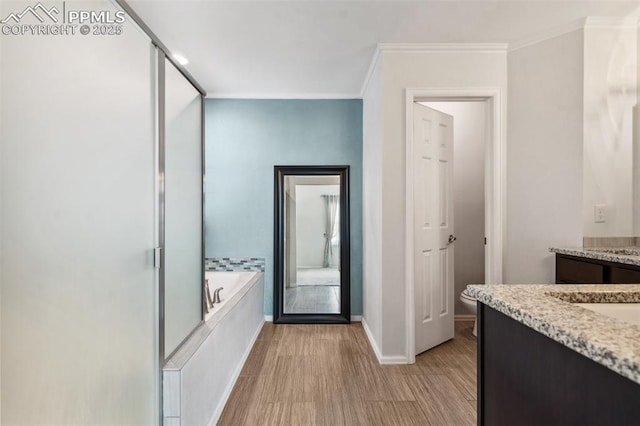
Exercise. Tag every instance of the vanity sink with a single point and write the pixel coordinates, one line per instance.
(629, 312)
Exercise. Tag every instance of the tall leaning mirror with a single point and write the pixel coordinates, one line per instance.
(311, 249)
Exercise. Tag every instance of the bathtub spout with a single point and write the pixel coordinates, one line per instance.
(216, 295)
(207, 294)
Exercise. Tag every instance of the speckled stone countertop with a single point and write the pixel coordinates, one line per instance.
(606, 254)
(548, 309)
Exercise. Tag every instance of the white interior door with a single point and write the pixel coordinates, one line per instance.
(433, 227)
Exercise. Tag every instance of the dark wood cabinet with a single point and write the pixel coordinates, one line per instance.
(625, 274)
(526, 378)
(581, 270)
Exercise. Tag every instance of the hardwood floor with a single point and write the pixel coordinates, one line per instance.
(329, 375)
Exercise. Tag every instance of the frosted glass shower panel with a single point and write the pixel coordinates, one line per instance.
(183, 209)
(76, 219)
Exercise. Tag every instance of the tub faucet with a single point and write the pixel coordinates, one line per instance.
(216, 295)
(207, 294)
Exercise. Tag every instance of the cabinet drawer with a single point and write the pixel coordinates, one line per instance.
(622, 275)
(578, 272)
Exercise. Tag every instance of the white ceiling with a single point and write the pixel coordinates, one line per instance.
(323, 49)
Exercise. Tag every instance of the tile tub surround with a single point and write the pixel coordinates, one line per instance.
(548, 310)
(593, 253)
(233, 264)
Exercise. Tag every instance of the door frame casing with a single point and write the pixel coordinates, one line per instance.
(495, 186)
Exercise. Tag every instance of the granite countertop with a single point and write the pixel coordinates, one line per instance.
(548, 309)
(628, 255)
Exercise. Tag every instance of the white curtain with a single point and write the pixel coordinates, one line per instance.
(331, 208)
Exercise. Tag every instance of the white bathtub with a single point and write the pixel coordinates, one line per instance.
(198, 378)
(233, 286)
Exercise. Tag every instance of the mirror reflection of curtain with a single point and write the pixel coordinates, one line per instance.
(331, 209)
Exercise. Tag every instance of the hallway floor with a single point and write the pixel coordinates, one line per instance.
(329, 375)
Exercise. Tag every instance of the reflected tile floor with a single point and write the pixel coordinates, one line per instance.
(317, 276)
(312, 299)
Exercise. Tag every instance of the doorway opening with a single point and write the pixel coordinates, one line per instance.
(480, 203)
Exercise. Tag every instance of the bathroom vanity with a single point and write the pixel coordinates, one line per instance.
(597, 265)
(544, 359)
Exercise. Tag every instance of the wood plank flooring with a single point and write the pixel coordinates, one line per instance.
(328, 375)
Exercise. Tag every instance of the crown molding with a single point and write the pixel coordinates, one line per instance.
(443, 47)
(427, 47)
(372, 67)
(290, 96)
(548, 35)
(626, 22)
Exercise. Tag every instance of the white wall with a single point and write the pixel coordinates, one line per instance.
(402, 69)
(310, 223)
(79, 315)
(469, 130)
(636, 152)
(1, 208)
(372, 260)
(610, 93)
(544, 156)
(570, 144)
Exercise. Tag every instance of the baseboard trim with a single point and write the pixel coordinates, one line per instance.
(372, 341)
(464, 317)
(394, 360)
(227, 392)
(354, 318)
(385, 360)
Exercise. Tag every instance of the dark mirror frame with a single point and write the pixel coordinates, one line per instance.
(279, 316)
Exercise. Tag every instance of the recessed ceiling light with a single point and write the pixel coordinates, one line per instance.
(180, 59)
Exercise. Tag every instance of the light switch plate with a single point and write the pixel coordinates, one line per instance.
(599, 213)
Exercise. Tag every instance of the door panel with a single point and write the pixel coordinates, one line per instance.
(426, 168)
(443, 193)
(433, 275)
(426, 276)
(444, 279)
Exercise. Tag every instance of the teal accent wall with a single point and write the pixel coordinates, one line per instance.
(245, 139)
